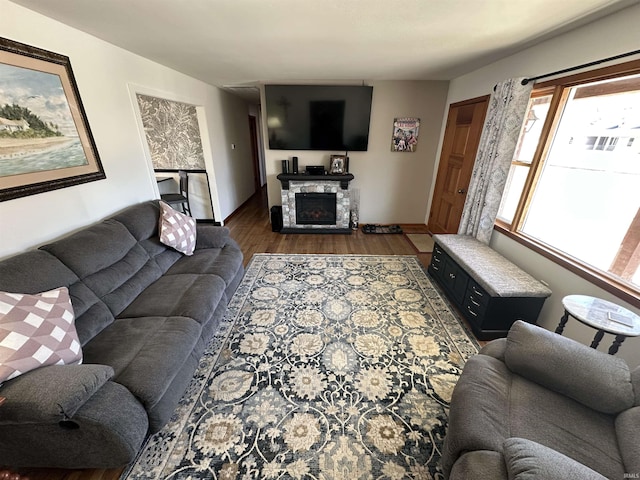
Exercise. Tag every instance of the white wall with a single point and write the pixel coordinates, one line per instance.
(394, 187)
(610, 36)
(104, 73)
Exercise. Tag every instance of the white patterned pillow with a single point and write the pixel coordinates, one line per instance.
(177, 230)
(36, 330)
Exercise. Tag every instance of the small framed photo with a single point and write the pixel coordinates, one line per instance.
(338, 164)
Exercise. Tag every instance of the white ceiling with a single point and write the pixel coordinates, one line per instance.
(246, 42)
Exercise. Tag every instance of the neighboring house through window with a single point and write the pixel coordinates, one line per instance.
(573, 191)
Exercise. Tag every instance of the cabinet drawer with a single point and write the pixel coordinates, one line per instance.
(476, 294)
(438, 257)
(473, 309)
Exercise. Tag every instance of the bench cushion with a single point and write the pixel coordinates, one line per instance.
(497, 275)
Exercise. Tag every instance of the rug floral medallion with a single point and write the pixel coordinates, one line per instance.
(326, 367)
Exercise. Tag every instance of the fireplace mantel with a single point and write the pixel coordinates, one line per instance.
(343, 178)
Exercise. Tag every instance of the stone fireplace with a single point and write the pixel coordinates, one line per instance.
(315, 203)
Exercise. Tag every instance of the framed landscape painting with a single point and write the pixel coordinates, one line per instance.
(45, 140)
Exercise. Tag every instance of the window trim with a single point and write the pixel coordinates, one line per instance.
(559, 88)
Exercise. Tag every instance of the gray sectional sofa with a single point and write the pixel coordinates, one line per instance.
(144, 315)
(539, 405)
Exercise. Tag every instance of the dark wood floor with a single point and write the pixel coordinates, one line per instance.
(250, 226)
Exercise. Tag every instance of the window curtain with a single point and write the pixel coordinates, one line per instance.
(507, 108)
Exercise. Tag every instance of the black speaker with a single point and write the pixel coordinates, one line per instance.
(294, 163)
(285, 166)
(276, 218)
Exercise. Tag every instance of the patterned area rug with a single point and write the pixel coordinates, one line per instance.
(327, 367)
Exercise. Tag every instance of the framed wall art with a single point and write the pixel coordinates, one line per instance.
(45, 140)
(405, 134)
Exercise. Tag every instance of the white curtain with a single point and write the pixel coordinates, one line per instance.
(505, 116)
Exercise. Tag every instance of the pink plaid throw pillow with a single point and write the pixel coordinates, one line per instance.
(177, 230)
(36, 330)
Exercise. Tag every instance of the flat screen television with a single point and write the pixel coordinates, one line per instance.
(318, 117)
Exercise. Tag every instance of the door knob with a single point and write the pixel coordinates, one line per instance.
(462, 190)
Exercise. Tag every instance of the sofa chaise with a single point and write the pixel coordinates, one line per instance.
(536, 405)
(144, 314)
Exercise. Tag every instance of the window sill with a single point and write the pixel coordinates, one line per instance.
(621, 290)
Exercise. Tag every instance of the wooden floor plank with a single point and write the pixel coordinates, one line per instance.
(250, 226)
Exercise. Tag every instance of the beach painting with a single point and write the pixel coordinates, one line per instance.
(45, 141)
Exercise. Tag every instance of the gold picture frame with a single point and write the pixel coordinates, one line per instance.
(45, 139)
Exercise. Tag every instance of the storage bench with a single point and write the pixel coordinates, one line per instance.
(489, 290)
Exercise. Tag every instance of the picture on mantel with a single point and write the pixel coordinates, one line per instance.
(405, 134)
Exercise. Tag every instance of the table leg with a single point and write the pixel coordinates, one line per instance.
(613, 349)
(597, 338)
(563, 322)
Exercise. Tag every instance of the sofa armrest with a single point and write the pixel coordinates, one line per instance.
(51, 394)
(211, 236)
(528, 460)
(595, 379)
(495, 348)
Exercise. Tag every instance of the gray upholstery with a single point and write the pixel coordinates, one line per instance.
(144, 315)
(527, 460)
(68, 388)
(610, 391)
(552, 394)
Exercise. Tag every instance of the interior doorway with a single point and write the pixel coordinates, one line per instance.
(255, 153)
(459, 147)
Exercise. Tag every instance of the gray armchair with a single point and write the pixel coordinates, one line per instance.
(539, 405)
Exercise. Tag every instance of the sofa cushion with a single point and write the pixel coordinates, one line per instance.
(146, 353)
(38, 271)
(212, 236)
(223, 262)
(479, 465)
(596, 379)
(108, 259)
(186, 295)
(177, 230)
(140, 220)
(527, 460)
(36, 330)
(52, 393)
(628, 433)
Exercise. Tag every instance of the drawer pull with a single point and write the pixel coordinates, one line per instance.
(434, 267)
(473, 301)
(436, 259)
(476, 291)
(471, 311)
(452, 276)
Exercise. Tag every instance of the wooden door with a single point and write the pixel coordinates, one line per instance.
(459, 147)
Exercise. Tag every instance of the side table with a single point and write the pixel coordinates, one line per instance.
(604, 316)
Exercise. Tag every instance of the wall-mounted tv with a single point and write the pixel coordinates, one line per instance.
(318, 117)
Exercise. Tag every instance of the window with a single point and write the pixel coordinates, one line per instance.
(573, 191)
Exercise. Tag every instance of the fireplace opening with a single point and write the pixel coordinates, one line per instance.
(316, 208)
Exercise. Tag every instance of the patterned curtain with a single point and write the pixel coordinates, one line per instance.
(498, 141)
